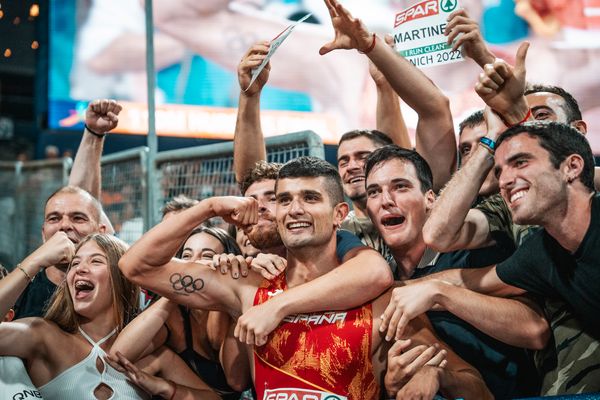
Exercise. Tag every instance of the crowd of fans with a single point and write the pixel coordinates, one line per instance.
(478, 282)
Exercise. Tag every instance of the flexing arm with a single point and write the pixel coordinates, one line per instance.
(344, 287)
(452, 224)
(149, 261)
(435, 131)
(248, 140)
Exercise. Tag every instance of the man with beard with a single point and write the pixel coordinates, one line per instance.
(304, 356)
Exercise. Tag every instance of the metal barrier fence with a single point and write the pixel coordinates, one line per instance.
(205, 171)
(23, 189)
(198, 172)
(124, 192)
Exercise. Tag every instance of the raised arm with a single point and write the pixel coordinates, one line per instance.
(57, 250)
(101, 117)
(464, 34)
(149, 261)
(26, 337)
(389, 119)
(248, 140)
(452, 224)
(546, 27)
(344, 287)
(435, 131)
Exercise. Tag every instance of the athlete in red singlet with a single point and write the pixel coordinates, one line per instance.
(326, 356)
(319, 353)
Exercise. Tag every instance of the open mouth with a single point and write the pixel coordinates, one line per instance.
(393, 220)
(297, 225)
(83, 289)
(356, 179)
(518, 195)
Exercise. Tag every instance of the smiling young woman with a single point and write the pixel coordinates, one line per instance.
(86, 313)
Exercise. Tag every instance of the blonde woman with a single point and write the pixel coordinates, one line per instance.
(65, 351)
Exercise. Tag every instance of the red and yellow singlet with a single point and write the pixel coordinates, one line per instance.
(319, 356)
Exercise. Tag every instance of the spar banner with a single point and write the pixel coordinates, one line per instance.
(419, 33)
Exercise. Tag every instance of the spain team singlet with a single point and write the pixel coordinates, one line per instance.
(318, 356)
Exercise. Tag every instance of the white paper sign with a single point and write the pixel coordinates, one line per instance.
(275, 43)
(419, 33)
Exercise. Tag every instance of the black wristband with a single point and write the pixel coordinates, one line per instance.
(100, 135)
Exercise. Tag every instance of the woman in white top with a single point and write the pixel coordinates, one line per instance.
(64, 351)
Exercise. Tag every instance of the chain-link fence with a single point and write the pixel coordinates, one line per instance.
(198, 172)
(205, 171)
(124, 192)
(24, 188)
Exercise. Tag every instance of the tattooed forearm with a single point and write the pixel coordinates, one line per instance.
(185, 284)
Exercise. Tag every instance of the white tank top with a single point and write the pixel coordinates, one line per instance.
(14, 381)
(80, 380)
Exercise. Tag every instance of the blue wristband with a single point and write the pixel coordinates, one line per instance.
(486, 141)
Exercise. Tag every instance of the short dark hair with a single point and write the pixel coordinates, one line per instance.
(572, 107)
(261, 171)
(471, 121)
(178, 203)
(230, 246)
(377, 137)
(560, 140)
(391, 152)
(312, 167)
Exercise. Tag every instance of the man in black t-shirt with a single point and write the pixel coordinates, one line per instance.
(546, 173)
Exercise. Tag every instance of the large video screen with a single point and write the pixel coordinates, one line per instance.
(97, 50)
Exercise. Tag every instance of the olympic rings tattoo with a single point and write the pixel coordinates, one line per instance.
(187, 283)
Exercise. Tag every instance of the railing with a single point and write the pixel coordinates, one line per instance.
(198, 172)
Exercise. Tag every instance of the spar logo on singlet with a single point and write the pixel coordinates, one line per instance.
(300, 394)
(329, 317)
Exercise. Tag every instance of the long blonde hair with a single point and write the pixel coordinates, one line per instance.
(125, 294)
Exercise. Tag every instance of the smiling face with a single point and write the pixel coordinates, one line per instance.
(547, 107)
(352, 155)
(88, 280)
(305, 213)
(396, 204)
(264, 235)
(467, 143)
(529, 183)
(201, 246)
(72, 213)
